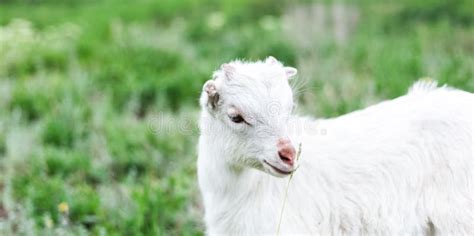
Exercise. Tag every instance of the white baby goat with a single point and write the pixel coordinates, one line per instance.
(402, 167)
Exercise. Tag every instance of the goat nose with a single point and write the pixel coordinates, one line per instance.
(286, 151)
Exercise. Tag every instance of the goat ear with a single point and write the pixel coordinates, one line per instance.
(271, 60)
(228, 69)
(212, 95)
(290, 72)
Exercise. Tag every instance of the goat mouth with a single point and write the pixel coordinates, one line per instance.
(280, 171)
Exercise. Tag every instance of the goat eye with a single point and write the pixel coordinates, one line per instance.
(236, 118)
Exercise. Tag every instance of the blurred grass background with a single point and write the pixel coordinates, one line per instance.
(98, 99)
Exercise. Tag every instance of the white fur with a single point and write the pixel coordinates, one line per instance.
(401, 167)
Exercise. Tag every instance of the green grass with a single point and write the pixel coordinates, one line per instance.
(99, 99)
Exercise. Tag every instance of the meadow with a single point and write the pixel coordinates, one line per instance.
(99, 99)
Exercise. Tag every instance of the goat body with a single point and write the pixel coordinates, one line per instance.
(401, 167)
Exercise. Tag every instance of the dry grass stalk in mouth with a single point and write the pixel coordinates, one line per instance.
(286, 190)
